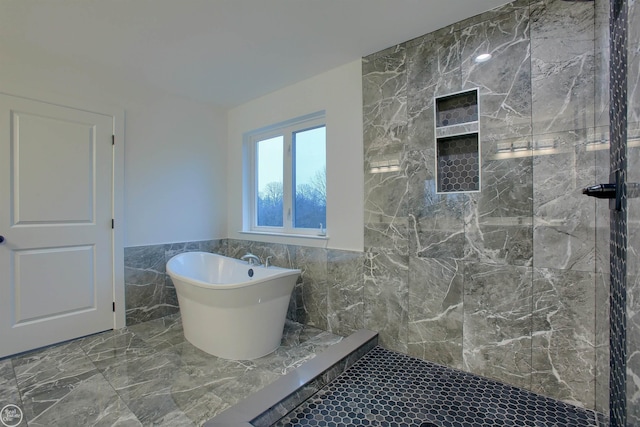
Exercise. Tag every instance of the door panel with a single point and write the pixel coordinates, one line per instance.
(69, 150)
(72, 267)
(56, 263)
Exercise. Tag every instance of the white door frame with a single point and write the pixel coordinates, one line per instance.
(117, 197)
(119, 318)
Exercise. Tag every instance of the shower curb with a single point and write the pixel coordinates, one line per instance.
(268, 405)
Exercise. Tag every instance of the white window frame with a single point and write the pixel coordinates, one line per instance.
(285, 129)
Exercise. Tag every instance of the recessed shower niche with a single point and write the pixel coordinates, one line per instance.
(457, 142)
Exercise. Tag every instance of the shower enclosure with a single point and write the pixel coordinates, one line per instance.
(511, 281)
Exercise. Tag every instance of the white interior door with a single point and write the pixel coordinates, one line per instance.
(56, 260)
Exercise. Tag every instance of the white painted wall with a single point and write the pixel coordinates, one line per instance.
(339, 93)
(175, 148)
(175, 172)
(183, 159)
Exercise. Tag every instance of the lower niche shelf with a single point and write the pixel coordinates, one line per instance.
(458, 164)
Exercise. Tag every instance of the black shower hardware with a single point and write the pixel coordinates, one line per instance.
(601, 191)
(611, 191)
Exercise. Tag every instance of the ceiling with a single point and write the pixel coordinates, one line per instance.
(222, 52)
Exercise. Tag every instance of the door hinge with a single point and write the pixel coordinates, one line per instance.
(114, 306)
(113, 140)
(113, 223)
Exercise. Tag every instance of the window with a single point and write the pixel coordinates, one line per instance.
(286, 174)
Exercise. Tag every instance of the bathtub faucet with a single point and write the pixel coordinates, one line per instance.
(251, 259)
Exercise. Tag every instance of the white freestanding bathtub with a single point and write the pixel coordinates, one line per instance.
(229, 308)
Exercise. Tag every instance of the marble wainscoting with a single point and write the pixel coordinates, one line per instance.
(329, 292)
(328, 295)
(149, 291)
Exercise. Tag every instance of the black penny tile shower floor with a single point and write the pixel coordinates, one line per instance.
(385, 388)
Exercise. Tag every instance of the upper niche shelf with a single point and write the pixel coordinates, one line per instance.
(457, 109)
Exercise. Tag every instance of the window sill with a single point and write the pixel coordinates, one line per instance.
(309, 240)
(296, 236)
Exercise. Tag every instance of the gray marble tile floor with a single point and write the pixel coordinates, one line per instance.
(146, 374)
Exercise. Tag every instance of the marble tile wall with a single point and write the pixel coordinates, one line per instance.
(504, 282)
(328, 295)
(149, 292)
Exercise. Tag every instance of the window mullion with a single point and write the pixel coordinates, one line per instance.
(254, 182)
(287, 185)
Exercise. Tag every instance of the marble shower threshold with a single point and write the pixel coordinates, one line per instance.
(270, 404)
(358, 383)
